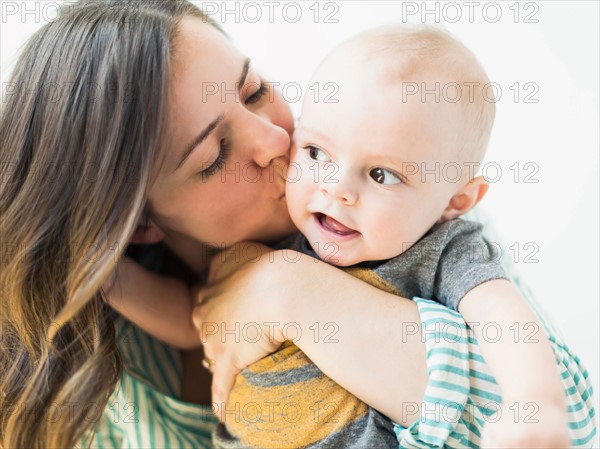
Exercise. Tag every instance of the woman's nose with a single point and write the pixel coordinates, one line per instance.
(268, 141)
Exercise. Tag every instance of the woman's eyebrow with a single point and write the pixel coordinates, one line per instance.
(205, 133)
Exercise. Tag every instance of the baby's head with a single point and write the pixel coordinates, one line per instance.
(390, 146)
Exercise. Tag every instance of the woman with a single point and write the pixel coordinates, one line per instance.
(124, 126)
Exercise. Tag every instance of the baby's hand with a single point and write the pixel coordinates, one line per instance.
(527, 425)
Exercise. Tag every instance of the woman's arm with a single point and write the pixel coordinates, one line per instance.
(366, 340)
(160, 305)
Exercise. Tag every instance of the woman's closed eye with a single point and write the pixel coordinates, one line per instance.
(257, 96)
(384, 176)
(219, 162)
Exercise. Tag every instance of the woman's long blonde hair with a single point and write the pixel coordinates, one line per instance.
(80, 131)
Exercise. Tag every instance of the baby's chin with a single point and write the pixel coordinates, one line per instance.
(347, 257)
(338, 258)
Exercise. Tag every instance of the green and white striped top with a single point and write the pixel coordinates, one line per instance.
(143, 411)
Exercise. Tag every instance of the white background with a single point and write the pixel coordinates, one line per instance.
(551, 44)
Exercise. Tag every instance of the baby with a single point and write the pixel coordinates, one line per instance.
(377, 182)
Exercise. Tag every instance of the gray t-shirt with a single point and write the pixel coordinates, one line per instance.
(449, 260)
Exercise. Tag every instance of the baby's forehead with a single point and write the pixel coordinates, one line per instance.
(406, 53)
(419, 66)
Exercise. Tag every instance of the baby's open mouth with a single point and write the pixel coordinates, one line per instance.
(332, 225)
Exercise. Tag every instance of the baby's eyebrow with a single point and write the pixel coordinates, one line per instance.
(313, 132)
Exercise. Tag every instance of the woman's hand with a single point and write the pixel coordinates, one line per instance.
(236, 314)
(358, 335)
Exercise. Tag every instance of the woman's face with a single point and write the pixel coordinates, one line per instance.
(228, 140)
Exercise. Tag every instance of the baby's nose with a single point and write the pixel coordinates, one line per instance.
(342, 193)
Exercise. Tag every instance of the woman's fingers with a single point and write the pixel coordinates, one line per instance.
(224, 373)
(231, 259)
(199, 317)
(233, 297)
(215, 270)
(198, 294)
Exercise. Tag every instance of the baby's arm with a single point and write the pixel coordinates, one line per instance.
(160, 305)
(523, 364)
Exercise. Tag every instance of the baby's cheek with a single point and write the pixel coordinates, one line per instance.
(295, 200)
(301, 194)
(390, 232)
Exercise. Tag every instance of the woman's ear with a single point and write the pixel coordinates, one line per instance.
(466, 198)
(146, 233)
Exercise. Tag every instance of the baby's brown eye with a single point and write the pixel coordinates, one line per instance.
(383, 176)
(317, 154)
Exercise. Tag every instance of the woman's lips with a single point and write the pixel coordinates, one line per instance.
(334, 228)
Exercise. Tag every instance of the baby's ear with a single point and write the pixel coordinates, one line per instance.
(147, 234)
(466, 198)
